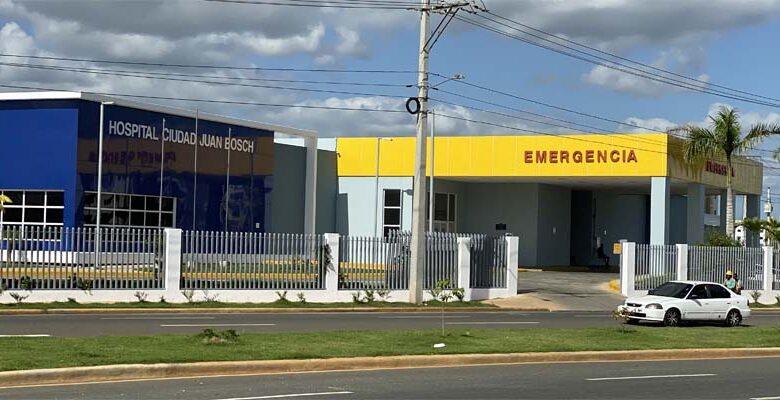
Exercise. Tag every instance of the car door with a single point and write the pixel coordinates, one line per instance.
(719, 302)
(695, 305)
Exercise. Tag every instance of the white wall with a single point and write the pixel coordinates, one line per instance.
(355, 208)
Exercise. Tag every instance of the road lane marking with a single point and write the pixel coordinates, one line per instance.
(151, 318)
(619, 378)
(494, 323)
(765, 398)
(425, 317)
(285, 396)
(32, 335)
(206, 325)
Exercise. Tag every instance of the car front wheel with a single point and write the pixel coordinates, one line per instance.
(733, 318)
(672, 318)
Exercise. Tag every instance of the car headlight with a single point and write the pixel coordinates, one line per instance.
(654, 306)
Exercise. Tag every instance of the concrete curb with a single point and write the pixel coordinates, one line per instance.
(227, 310)
(110, 373)
(765, 309)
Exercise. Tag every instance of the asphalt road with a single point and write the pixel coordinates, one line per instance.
(701, 379)
(152, 324)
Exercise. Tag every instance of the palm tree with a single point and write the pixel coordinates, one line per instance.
(723, 139)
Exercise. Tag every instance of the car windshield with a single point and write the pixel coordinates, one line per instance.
(672, 289)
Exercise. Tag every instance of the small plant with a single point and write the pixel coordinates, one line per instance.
(383, 294)
(369, 295)
(620, 315)
(18, 297)
(356, 298)
(755, 295)
(209, 299)
(3, 288)
(459, 293)
(210, 336)
(141, 296)
(776, 298)
(71, 300)
(282, 297)
(443, 295)
(85, 285)
(301, 298)
(188, 294)
(162, 300)
(26, 283)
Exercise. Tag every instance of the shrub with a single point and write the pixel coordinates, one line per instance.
(383, 294)
(18, 297)
(301, 298)
(356, 298)
(778, 299)
(210, 336)
(189, 295)
(209, 299)
(720, 239)
(141, 296)
(162, 299)
(72, 300)
(755, 295)
(459, 293)
(282, 297)
(369, 295)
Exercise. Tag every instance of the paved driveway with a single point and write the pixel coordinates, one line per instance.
(576, 291)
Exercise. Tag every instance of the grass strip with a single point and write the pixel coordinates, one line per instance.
(33, 353)
(217, 304)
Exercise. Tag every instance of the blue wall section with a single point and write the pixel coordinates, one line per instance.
(53, 144)
(38, 148)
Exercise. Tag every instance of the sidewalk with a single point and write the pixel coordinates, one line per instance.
(562, 291)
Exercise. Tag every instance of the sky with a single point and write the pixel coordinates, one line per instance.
(724, 42)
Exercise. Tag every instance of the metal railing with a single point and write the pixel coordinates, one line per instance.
(655, 264)
(709, 263)
(236, 261)
(488, 261)
(441, 260)
(60, 258)
(776, 270)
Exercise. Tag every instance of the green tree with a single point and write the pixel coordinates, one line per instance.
(771, 228)
(724, 140)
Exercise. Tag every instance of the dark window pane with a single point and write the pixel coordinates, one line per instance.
(451, 210)
(90, 199)
(34, 198)
(166, 220)
(138, 203)
(122, 201)
(392, 198)
(389, 229)
(33, 215)
(90, 217)
(54, 215)
(55, 198)
(108, 200)
(15, 196)
(106, 217)
(137, 219)
(440, 207)
(718, 292)
(152, 219)
(12, 214)
(392, 216)
(699, 292)
(121, 217)
(152, 204)
(167, 204)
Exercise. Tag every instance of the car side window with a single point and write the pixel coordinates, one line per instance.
(699, 292)
(718, 292)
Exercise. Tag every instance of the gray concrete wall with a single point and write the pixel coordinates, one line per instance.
(355, 208)
(289, 186)
(554, 226)
(678, 220)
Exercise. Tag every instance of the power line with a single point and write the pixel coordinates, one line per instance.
(644, 65)
(213, 66)
(326, 4)
(614, 65)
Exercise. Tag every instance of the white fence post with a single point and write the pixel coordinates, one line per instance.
(172, 258)
(464, 266)
(512, 253)
(682, 262)
(627, 268)
(332, 270)
(769, 263)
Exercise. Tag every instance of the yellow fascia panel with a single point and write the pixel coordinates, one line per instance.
(508, 156)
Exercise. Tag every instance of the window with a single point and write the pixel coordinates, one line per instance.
(30, 208)
(444, 209)
(699, 292)
(117, 209)
(718, 292)
(391, 218)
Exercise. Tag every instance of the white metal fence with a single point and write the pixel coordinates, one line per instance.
(239, 261)
(50, 258)
(709, 263)
(654, 265)
(488, 261)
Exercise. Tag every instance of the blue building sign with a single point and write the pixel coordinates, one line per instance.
(160, 168)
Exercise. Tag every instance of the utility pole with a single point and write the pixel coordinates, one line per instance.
(427, 40)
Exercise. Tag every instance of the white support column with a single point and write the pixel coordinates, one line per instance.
(310, 201)
(627, 268)
(682, 262)
(332, 269)
(659, 210)
(769, 259)
(512, 254)
(464, 266)
(172, 259)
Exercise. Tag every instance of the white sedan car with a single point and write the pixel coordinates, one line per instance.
(677, 301)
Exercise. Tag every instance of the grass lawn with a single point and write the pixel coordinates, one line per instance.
(217, 304)
(30, 353)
